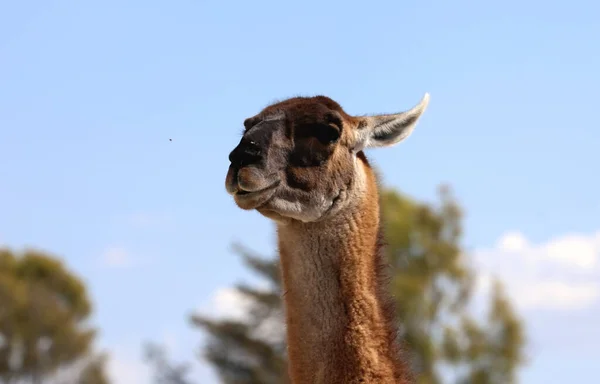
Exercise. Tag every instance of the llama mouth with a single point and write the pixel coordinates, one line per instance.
(254, 199)
(242, 192)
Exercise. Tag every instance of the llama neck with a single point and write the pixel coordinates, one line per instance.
(339, 325)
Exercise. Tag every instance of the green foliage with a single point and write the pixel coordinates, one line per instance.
(43, 314)
(432, 284)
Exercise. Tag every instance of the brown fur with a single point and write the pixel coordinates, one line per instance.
(341, 324)
(298, 165)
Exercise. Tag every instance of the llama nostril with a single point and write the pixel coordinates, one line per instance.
(252, 148)
(247, 153)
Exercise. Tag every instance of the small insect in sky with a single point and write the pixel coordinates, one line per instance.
(170, 139)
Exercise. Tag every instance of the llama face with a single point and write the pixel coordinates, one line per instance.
(300, 159)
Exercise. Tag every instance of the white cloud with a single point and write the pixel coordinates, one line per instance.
(116, 257)
(560, 274)
(512, 242)
(559, 294)
(228, 303)
(576, 250)
(125, 366)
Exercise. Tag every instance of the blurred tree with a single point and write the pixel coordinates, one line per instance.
(93, 372)
(165, 372)
(43, 330)
(252, 350)
(433, 286)
(87, 370)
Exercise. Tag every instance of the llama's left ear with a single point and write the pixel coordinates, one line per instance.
(387, 130)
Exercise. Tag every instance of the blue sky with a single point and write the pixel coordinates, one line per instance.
(91, 92)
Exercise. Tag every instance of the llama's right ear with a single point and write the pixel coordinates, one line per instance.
(387, 130)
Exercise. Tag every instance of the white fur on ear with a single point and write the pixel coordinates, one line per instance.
(388, 130)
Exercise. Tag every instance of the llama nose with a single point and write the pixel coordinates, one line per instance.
(248, 152)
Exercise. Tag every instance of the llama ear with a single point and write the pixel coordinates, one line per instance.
(387, 130)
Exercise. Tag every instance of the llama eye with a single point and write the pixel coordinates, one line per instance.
(327, 134)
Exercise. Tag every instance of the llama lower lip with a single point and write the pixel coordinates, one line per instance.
(254, 193)
(254, 199)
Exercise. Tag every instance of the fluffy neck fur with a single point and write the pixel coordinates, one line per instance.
(340, 323)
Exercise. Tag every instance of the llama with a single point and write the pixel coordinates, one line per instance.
(301, 163)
